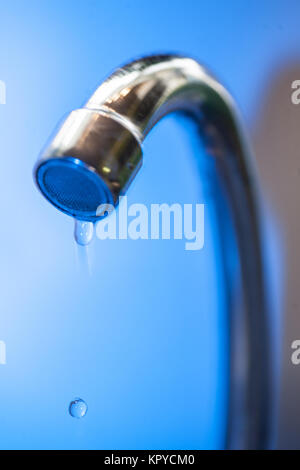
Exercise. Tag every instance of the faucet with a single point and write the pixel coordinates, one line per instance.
(95, 155)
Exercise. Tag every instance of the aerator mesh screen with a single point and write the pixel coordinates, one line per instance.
(72, 188)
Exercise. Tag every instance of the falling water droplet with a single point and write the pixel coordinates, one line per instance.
(83, 232)
(78, 408)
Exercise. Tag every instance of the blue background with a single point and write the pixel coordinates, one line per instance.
(141, 336)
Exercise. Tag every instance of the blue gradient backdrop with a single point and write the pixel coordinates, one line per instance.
(141, 338)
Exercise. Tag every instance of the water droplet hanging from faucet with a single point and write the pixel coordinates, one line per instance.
(83, 232)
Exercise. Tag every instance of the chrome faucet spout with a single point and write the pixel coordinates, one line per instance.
(95, 155)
